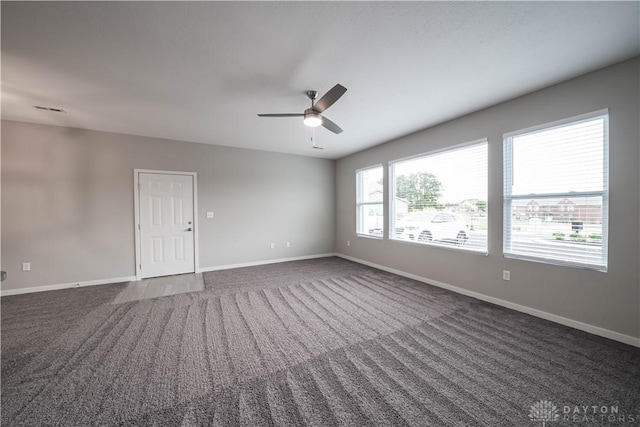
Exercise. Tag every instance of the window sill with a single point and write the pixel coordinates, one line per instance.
(369, 236)
(557, 263)
(483, 252)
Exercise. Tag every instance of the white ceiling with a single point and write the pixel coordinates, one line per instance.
(201, 71)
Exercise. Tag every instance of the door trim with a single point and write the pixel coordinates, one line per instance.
(136, 218)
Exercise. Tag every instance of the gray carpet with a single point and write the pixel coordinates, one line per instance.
(321, 342)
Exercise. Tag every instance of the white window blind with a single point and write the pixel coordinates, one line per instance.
(556, 192)
(369, 202)
(441, 198)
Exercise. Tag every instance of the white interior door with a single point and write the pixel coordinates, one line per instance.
(166, 215)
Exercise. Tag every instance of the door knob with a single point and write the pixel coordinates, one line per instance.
(189, 229)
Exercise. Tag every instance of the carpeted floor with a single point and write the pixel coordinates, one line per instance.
(321, 342)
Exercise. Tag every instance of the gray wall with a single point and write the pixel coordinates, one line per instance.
(67, 202)
(609, 300)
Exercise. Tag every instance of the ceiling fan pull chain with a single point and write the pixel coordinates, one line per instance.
(313, 140)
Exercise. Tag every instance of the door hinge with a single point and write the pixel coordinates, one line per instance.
(140, 267)
(138, 226)
(139, 187)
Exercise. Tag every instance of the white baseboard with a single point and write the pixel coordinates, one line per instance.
(270, 261)
(32, 289)
(595, 330)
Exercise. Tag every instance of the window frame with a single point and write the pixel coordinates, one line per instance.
(508, 197)
(392, 189)
(360, 204)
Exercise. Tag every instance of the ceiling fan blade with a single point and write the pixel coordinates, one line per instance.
(282, 115)
(329, 98)
(330, 125)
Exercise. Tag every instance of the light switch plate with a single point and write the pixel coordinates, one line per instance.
(209, 214)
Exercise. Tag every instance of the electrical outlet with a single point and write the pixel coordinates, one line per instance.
(506, 275)
(209, 214)
(26, 266)
(348, 242)
(288, 244)
(273, 246)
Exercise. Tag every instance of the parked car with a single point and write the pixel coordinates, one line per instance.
(427, 226)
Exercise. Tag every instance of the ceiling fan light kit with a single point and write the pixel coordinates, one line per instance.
(312, 116)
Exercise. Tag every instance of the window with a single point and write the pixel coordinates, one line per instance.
(563, 168)
(441, 198)
(369, 202)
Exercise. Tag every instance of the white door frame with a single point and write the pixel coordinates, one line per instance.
(136, 207)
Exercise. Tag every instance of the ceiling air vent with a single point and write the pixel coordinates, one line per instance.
(55, 110)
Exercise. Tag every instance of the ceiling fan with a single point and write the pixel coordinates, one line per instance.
(312, 116)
